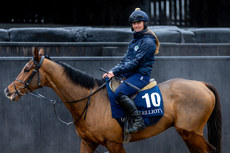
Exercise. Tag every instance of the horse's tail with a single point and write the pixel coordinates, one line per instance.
(214, 124)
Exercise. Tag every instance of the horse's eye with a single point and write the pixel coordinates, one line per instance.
(26, 70)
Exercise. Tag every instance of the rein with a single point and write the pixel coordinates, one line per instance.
(53, 102)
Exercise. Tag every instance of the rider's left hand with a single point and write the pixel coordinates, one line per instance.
(109, 75)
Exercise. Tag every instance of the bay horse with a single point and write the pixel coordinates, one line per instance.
(188, 106)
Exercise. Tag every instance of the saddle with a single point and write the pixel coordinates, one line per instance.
(115, 82)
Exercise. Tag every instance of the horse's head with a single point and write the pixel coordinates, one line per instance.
(29, 79)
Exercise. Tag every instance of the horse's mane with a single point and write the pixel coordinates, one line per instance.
(80, 78)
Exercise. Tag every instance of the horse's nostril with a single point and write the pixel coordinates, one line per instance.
(6, 91)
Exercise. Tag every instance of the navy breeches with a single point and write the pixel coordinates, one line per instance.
(137, 80)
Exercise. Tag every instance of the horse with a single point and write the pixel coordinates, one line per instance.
(188, 106)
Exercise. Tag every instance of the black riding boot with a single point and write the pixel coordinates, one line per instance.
(130, 108)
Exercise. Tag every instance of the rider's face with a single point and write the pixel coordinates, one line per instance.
(138, 26)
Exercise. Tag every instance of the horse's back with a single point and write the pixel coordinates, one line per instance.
(190, 102)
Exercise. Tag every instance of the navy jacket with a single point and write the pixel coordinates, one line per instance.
(139, 57)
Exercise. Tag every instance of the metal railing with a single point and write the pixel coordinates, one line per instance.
(169, 12)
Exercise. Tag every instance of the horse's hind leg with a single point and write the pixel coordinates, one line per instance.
(114, 147)
(195, 143)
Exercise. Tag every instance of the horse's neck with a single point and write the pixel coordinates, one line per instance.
(68, 91)
(63, 87)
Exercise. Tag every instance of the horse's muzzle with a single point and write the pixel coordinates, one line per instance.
(12, 96)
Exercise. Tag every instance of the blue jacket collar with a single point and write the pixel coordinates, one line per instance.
(140, 34)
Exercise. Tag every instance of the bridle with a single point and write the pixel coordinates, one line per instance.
(53, 102)
(36, 70)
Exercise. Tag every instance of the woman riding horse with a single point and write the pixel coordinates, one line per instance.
(136, 67)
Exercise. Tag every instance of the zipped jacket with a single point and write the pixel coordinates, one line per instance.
(139, 57)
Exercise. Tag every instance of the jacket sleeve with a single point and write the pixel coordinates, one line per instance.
(128, 65)
(120, 65)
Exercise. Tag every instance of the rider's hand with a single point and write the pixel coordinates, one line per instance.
(108, 75)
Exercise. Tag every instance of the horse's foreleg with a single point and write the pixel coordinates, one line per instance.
(114, 147)
(87, 147)
(195, 143)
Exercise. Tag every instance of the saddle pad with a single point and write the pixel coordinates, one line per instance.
(149, 102)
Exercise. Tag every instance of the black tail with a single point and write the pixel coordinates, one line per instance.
(215, 122)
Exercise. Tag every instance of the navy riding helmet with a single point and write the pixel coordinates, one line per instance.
(139, 15)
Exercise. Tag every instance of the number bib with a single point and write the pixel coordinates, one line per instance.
(149, 102)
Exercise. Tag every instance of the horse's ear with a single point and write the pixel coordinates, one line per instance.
(36, 56)
(41, 52)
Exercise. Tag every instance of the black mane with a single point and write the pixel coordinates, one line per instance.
(80, 78)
